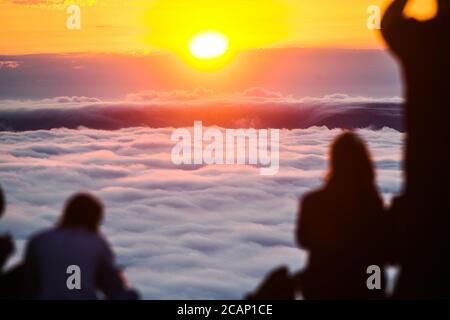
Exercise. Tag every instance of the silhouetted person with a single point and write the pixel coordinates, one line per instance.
(343, 227)
(6, 243)
(423, 49)
(10, 281)
(76, 241)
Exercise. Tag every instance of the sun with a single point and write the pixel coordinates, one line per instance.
(208, 45)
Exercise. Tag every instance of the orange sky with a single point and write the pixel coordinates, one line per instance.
(139, 26)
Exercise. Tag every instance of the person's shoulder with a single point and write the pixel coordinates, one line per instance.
(95, 239)
(101, 242)
(313, 197)
(42, 236)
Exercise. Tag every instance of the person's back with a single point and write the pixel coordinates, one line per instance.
(342, 227)
(72, 260)
(51, 253)
(423, 49)
(342, 238)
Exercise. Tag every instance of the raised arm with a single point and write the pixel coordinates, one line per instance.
(393, 14)
(395, 27)
(109, 280)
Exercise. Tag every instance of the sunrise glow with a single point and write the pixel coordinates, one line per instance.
(169, 25)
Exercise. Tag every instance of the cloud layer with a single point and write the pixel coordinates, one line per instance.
(181, 232)
(255, 107)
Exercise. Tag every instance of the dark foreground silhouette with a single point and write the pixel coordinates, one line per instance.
(423, 50)
(344, 228)
(6, 243)
(76, 241)
(418, 229)
(278, 285)
(8, 280)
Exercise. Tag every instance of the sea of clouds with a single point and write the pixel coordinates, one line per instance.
(255, 107)
(181, 232)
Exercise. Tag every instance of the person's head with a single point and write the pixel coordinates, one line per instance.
(350, 162)
(82, 211)
(443, 6)
(2, 202)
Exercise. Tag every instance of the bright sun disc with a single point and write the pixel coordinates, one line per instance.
(207, 45)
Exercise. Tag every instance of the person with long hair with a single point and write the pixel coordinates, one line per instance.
(342, 226)
(74, 245)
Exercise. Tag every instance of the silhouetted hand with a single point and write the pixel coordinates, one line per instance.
(278, 285)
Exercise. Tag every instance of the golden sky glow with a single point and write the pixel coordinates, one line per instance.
(39, 26)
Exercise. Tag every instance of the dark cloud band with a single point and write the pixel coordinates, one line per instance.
(256, 107)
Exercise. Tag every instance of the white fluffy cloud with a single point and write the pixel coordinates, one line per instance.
(203, 232)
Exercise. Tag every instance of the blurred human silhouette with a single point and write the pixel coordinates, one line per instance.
(6, 243)
(397, 215)
(75, 241)
(343, 227)
(8, 280)
(423, 49)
